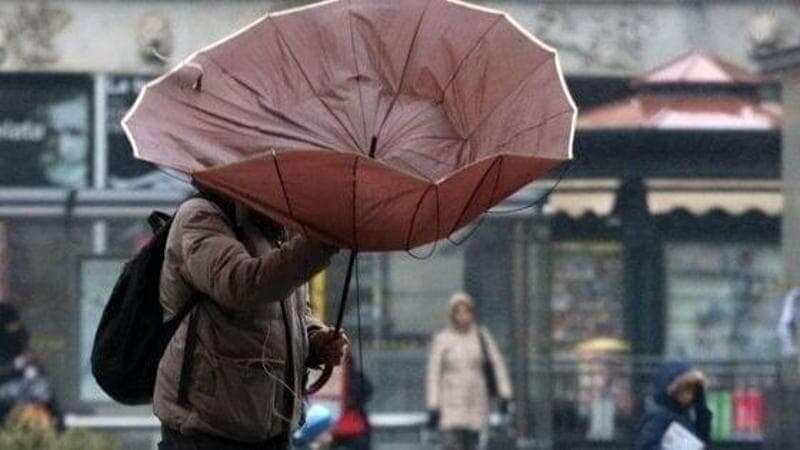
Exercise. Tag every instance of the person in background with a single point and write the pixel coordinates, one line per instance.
(25, 392)
(353, 431)
(465, 371)
(787, 325)
(679, 398)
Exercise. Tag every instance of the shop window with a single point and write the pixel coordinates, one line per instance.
(724, 301)
(45, 131)
(124, 171)
(587, 295)
(41, 260)
(96, 278)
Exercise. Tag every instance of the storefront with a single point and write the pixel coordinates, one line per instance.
(669, 225)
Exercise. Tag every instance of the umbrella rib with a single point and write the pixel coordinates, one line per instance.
(496, 162)
(310, 85)
(454, 74)
(532, 127)
(405, 68)
(505, 99)
(426, 156)
(263, 104)
(358, 70)
(283, 189)
(416, 212)
(464, 59)
(390, 142)
(417, 173)
(256, 204)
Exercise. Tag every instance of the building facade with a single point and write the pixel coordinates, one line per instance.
(73, 200)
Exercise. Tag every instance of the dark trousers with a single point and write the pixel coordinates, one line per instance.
(173, 440)
(458, 439)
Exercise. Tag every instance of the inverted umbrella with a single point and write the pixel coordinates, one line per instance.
(368, 124)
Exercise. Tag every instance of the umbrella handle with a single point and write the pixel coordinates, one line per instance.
(317, 385)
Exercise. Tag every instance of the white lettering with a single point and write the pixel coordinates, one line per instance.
(26, 131)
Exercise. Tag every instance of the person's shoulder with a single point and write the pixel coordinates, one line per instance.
(443, 335)
(199, 211)
(656, 414)
(197, 204)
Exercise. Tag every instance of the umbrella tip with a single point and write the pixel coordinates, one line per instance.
(373, 146)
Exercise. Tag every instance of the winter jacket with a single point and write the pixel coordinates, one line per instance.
(663, 410)
(24, 383)
(253, 325)
(456, 385)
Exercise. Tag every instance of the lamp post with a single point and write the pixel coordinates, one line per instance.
(530, 322)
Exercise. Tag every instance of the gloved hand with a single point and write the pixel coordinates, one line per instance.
(433, 419)
(700, 397)
(327, 348)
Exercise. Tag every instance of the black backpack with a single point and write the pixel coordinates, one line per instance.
(132, 335)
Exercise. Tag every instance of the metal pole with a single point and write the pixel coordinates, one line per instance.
(790, 172)
(541, 324)
(100, 160)
(520, 323)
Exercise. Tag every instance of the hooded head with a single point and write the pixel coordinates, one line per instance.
(462, 311)
(676, 383)
(13, 335)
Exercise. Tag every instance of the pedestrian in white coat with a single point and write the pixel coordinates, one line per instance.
(465, 371)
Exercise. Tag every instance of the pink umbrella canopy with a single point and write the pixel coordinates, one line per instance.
(370, 124)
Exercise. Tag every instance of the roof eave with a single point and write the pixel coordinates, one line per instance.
(778, 60)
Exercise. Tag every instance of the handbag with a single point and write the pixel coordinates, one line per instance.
(488, 368)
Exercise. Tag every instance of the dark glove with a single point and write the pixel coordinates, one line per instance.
(433, 419)
(700, 398)
(505, 406)
(703, 415)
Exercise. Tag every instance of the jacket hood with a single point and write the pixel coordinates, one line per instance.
(458, 299)
(671, 377)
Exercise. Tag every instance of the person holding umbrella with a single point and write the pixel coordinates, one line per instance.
(354, 124)
(465, 372)
(253, 333)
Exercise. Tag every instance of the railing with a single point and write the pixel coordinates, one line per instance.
(603, 399)
(595, 404)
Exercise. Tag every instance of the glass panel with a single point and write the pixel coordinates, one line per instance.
(587, 293)
(125, 171)
(95, 280)
(45, 131)
(43, 258)
(723, 301)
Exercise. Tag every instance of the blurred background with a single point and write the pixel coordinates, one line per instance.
(675, 233)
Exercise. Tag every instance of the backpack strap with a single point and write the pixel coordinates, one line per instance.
(188, 354)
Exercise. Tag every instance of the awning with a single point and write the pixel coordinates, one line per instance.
(699, 197)
(577, 198)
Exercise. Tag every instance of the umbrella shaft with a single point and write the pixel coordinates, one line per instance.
(373, 146)
(346, 290)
